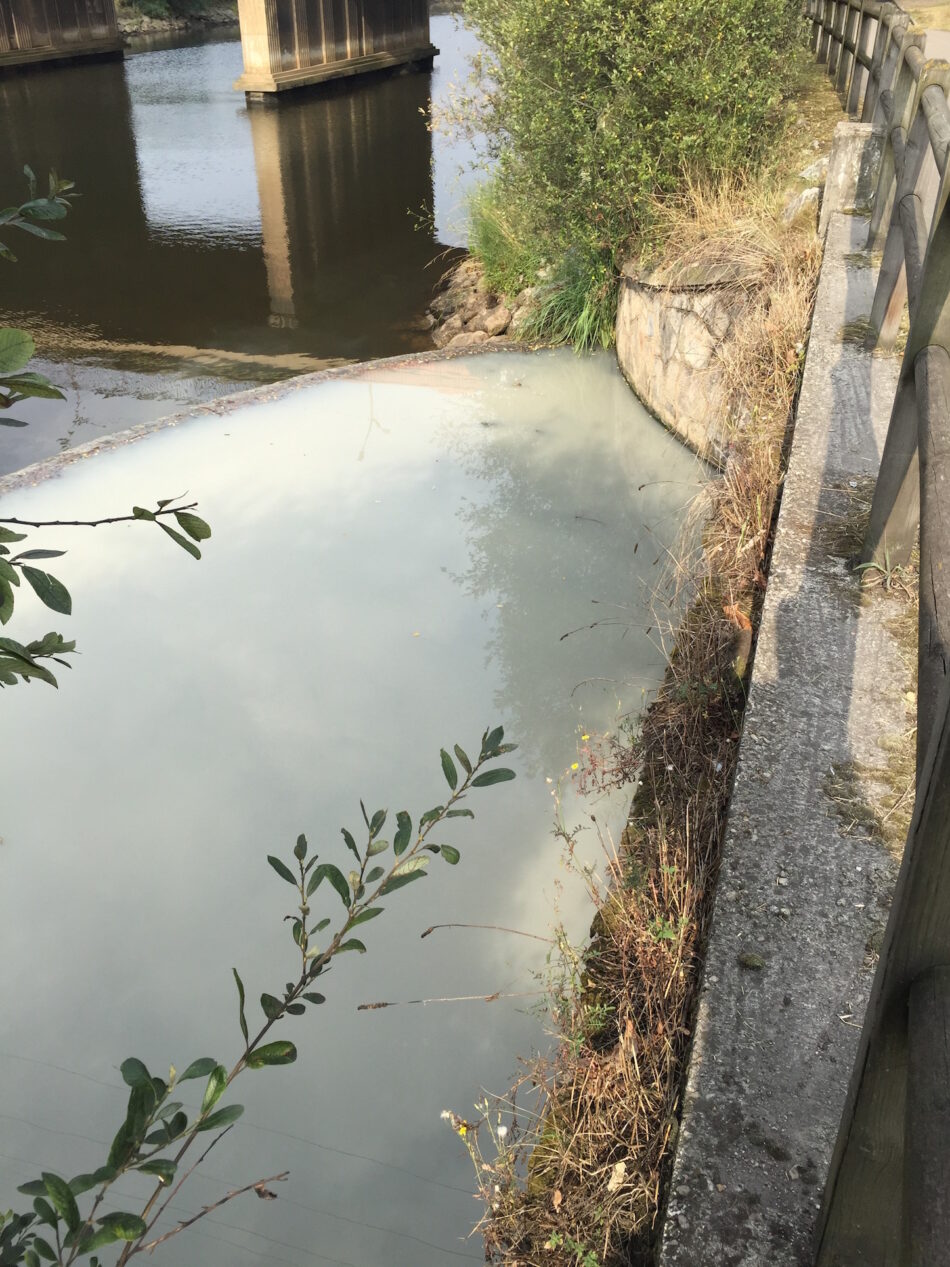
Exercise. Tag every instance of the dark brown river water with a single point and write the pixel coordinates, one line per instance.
(216, 245)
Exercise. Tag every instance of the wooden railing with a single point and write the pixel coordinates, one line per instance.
(887, 1200)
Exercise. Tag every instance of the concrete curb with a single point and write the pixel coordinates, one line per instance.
(800, 900)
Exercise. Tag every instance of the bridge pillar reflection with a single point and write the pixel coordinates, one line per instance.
(293, 43)
(36, 31)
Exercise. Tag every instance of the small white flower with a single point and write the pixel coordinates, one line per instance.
(502, 1132)
(445, 1115)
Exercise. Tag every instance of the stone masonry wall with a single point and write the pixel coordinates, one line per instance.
(668, 340)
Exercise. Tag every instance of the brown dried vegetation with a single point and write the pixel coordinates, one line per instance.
(577, 1176)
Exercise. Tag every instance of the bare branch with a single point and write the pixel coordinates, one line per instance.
(260, 1187)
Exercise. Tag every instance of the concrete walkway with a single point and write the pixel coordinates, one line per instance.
(804, 886)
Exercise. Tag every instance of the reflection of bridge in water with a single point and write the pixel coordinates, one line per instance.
(278, 232)
(286, 43)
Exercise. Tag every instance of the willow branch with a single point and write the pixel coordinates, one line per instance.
(96, 523)
(259, 1187)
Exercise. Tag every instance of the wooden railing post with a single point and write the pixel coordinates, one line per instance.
(927, 1158)
(933, 654)
(815, 12)
(849, 30)
(852, 84)
(918, 189)
(839, 11)
(824, 41)
(862, 1215)
(882, 63)
(896, 107)
(891, 534)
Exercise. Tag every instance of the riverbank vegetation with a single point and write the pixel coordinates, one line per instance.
(598, 114)
(576, 1175)
(170, 10)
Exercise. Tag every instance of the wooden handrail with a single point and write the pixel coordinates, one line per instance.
(887, 1198)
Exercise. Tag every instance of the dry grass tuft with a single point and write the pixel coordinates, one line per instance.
(578, 1180)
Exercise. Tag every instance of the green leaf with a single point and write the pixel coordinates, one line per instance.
(377, 846)
(491, 741)
(313, 997)
(241, 1016)
(403, 833)
(449, 770)
(35, 1188)
(222, 1117)
(463, 759)
(324, 923)
(450, 854)
(164, 1170)
(40, 554)
(44, 1249)
(217, 1084)
(271, 1007)
(8, 535)
(459, 813)
(350, 844)
(376, 873)
(431, 815)
(6, 601)
(182, 541)
(139, 512)
(64, 1202)
(38, 231)
(300, 848)
(49, 590)
(493, 776)
(29, 383)
(16, 348)
(352, 944)
(44, 1211)
(43, 209)
(176, 1126)
(11, 422)
(399, 881)
(133, 1072)
(376, 826)
(365, 916)
(200, 1068)
(124, 1227)
(418, 863)
(279, 1053)
(295, 1009)
(82, 1183)
(283, 871)
(196, 528)
(327, 870)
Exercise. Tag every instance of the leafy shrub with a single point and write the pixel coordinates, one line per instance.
(597, 108)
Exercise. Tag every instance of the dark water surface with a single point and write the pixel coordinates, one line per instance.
(215, 245)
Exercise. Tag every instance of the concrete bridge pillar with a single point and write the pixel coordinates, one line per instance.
(34, 31)
(292, 43)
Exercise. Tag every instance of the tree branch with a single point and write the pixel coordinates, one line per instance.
(259, 1187)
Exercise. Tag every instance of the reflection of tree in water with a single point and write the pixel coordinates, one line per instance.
(562, 538)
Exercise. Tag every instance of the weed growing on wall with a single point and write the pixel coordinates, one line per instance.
(595, 109)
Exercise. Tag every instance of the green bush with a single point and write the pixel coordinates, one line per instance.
(596, 108)
(170, 8)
